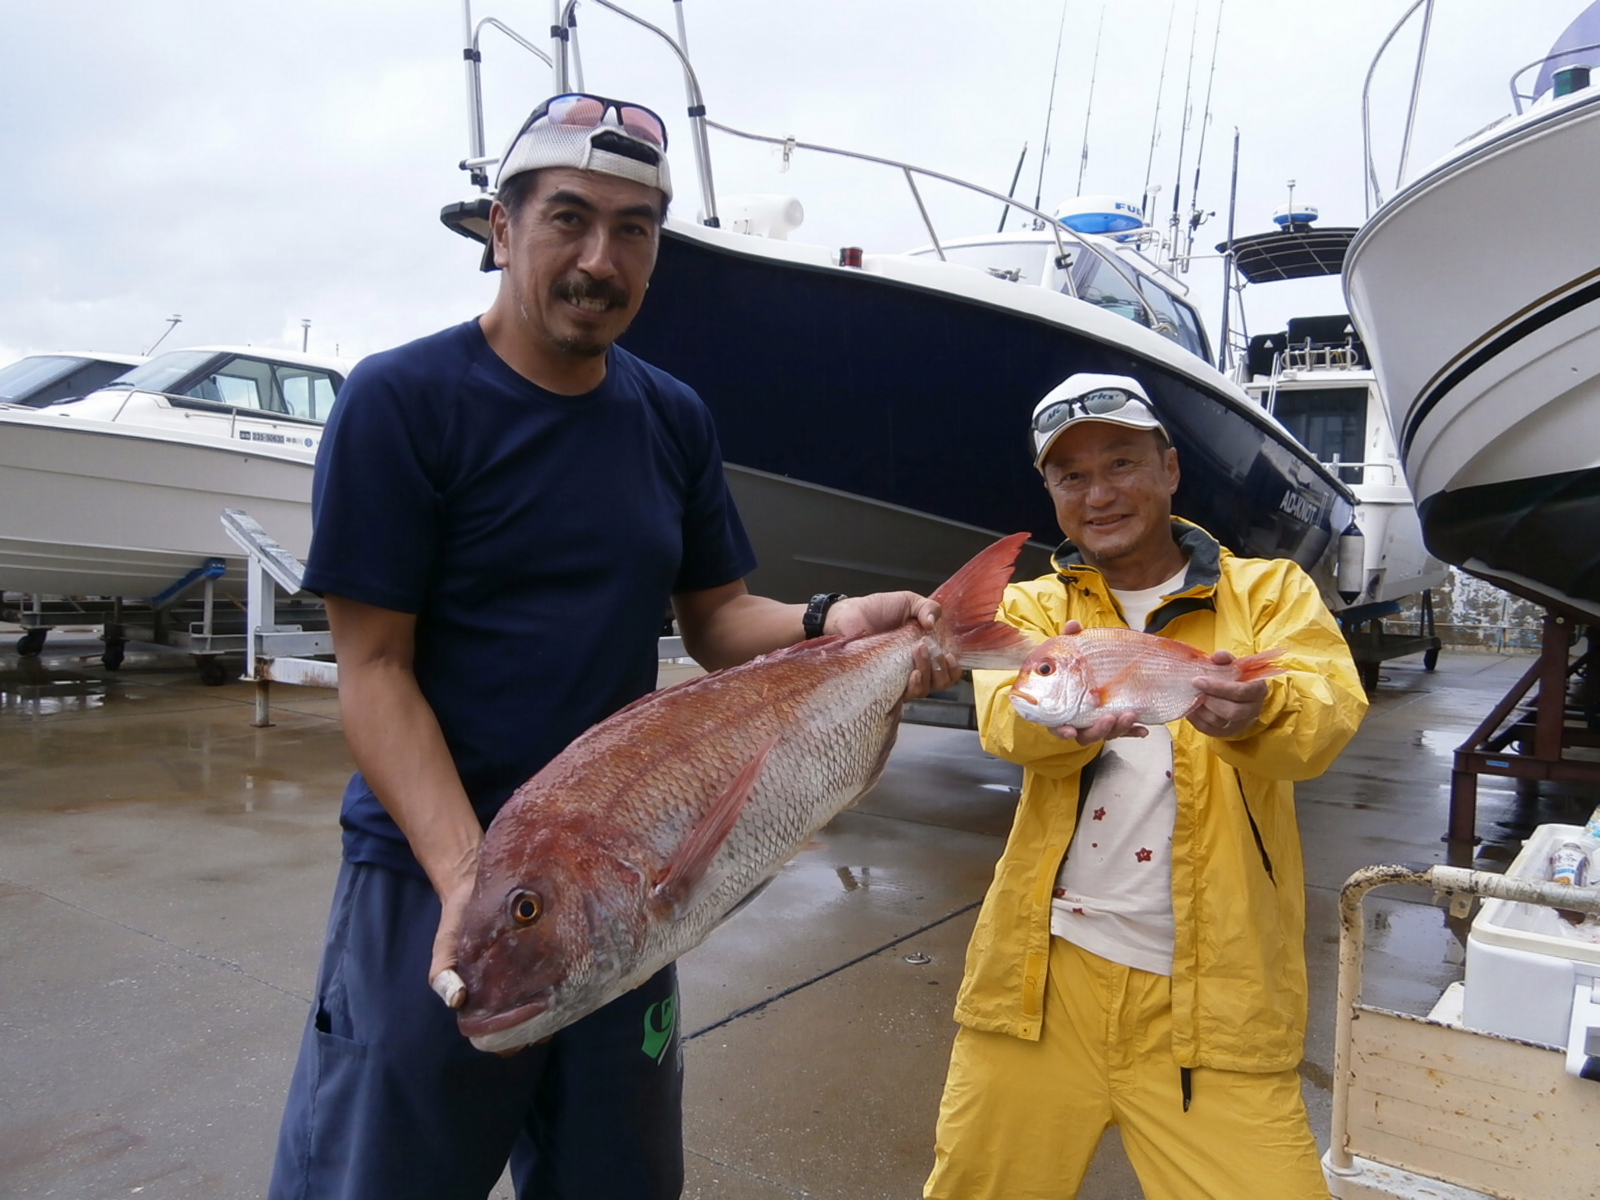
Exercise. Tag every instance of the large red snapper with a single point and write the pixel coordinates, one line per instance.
(1076, 678)
(639, 838)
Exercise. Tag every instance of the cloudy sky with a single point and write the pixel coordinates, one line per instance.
(249, 166)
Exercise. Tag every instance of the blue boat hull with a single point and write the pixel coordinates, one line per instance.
(916, 401)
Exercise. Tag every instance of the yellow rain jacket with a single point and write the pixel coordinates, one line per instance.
(1238, 880)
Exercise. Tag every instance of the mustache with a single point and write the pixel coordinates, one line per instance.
(604, 290)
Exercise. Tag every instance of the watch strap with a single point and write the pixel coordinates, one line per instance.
(816, 614)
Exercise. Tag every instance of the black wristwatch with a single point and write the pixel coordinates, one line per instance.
(817, 612)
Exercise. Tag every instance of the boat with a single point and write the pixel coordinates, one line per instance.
(1476, 291)
(41, 379)
(873, 406)
(1316, 377)
(119, 493)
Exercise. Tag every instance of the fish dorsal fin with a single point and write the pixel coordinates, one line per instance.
(687, 878)
(970, 599)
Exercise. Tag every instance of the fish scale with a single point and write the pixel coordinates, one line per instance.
(621, 848)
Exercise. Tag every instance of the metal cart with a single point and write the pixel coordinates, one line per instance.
(1425, 1109)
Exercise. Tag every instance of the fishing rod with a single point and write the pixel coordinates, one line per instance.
(1183, 129)
(1094, 72)
(1200, 155)
(1015, 175)
(1044, 155)
(1155, 121)
(1224, 352)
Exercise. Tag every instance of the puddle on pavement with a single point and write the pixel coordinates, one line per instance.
(34, 689)
(1439, 742)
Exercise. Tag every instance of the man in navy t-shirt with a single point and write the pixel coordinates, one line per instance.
(502, 513)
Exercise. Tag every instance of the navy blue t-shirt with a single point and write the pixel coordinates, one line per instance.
(537, 537)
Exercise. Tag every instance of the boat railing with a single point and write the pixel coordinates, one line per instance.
(1373, 190)
(910, 170)
(1517, 97)
(1337, 464)
(1319, 358)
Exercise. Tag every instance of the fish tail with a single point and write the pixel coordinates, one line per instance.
(1259, 666)
(969, 599)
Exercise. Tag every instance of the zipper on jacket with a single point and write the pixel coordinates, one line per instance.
(1255, 831)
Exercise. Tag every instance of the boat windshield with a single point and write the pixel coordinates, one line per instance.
(1101, 281)
(28, 375)
(238, 382)
(165, 371)
(1113, 285)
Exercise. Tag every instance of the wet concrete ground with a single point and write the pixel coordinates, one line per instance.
(165, 871)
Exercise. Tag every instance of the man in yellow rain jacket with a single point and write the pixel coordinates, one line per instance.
(1139, 959)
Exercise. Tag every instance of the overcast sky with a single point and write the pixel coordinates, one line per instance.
(251, 165)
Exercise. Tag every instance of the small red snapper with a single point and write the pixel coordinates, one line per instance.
(1076, 678)
(636, 841)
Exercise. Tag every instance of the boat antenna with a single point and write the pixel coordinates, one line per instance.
(1094, 71)
(1195, 216)
(1044, 154)
(172, 323)
(1155, 121)
(1015, 175)
(1183, 129)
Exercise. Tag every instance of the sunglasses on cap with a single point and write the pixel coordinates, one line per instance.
(1098, 403)
(579, 110)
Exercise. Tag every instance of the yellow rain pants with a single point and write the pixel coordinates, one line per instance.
(1020, 1120)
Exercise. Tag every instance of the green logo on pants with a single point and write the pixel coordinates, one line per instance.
(659, 1019)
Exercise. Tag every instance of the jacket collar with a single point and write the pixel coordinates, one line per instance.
(1199, 581)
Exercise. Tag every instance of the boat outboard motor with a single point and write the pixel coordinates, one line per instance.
(1352, 563)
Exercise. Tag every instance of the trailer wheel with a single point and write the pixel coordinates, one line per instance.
(112, 658)
(213, 673)
(31, 642)
(1430, 659)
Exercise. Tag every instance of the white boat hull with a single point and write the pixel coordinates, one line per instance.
(97, 508)
(1484, 332)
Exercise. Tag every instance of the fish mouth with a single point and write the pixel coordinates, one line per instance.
(476, 1027)
(1025, 698)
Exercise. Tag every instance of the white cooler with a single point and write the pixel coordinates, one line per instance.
(1524, 978)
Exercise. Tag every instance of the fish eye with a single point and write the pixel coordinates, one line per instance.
(526, 908)
(1045, 668)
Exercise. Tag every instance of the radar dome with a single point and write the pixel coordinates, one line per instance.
(1100, 214)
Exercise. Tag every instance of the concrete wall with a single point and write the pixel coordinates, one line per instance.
(1470, 614)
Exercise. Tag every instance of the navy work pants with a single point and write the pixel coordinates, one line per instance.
(388, 1099)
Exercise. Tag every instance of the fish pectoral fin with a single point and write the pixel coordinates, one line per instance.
(1104, 691)
(688, 877)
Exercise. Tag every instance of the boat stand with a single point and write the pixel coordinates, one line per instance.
(163, 620)
(274, 652)
(1370, 646)
(1534, 745)
(1426, 1108)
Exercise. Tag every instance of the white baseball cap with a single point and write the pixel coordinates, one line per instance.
(1115, 399)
